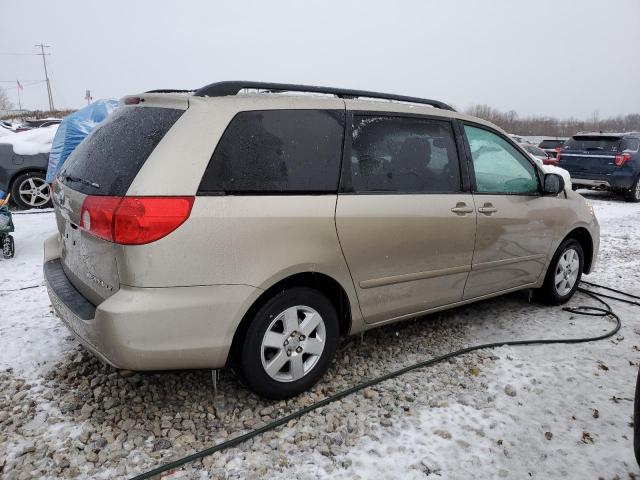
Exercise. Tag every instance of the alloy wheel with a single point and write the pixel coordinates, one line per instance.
(293, 343)
(34, 191)
(567, 271)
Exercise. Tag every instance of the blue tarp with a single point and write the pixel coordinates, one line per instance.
(73, 129)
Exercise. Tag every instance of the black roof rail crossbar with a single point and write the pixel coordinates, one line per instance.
(168, 90)
(223, 89)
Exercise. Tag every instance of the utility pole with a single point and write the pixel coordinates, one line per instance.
(46, 75)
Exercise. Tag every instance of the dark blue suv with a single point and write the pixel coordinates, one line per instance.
(604, 161)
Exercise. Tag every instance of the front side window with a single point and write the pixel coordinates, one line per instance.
(277, 151)
(403, 155)
(499, 167)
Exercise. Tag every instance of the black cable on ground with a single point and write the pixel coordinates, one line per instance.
(581, 310)
(22, 288)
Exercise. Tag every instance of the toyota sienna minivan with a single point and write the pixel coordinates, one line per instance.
(251, 225)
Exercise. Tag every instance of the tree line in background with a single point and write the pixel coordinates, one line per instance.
(554, 127)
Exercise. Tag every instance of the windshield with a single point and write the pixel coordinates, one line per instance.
(597, 143)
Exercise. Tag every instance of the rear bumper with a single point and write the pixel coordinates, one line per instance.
(616, 182)
(152, 328)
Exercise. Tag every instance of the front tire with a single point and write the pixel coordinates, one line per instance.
(633, 194)
(564, 274)
(289, 344)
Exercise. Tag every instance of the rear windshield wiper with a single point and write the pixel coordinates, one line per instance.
(71, 178)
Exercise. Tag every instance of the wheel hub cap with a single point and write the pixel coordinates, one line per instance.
(567, 271)
(34, 191)
(293, 343)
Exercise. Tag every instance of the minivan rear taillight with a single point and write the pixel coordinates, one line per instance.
(133, 220)
(621, 159)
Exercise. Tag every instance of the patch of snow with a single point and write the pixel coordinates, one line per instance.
(31, 334)
(31, 142)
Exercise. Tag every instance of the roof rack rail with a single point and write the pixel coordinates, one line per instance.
(168, 90)
(222, 89)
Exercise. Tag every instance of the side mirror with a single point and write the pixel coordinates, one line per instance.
(553, 184)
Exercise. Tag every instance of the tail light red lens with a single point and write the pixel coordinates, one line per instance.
(621, 159)
(134, 220)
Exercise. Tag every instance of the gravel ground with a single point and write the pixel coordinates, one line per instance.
(502, 413)
(83, 418)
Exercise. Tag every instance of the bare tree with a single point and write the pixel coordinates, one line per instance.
(5, 103)
(549, 126)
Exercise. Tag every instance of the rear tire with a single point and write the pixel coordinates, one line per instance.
(30, 190)
(564, 274)
(633, 194)
(289, 343)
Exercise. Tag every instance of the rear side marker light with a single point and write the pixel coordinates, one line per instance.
(133, 220)
(621, 159)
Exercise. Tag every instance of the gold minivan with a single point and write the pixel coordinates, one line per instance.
(252, 224)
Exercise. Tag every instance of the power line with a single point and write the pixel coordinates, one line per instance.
(27, 84)
(21, 54)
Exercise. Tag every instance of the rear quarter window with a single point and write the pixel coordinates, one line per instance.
(108, 160)
(277, 151)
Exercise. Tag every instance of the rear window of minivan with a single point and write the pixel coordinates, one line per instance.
(108, 160)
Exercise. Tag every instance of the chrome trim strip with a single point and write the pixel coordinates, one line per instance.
(585, 156)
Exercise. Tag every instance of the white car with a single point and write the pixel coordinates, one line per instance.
(553, 169)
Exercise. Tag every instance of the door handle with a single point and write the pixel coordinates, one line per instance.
(462, 208)
(488, 209)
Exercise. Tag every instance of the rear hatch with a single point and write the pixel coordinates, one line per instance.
(590, 156)
(104, 165)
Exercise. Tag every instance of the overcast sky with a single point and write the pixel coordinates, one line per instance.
(546, 57)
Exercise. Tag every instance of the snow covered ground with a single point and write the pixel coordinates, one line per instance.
(558, 411)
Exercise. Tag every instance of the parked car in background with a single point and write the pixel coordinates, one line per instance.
(290, 220)
(539, 153)
(518, 138)
(7, 125)
(552, 146)
(551, 168)
(601, 160)
(24, 177)
(40, 123)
